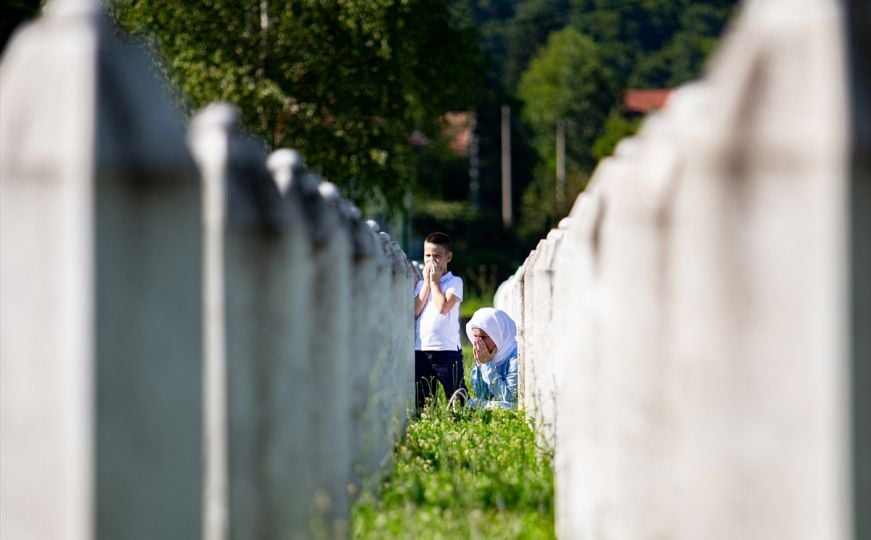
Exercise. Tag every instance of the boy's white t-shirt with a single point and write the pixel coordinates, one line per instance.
(434, 331)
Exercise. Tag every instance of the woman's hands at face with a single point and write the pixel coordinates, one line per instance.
(480, 352)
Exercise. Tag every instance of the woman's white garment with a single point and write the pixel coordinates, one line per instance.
(495, 382)
(501, 329)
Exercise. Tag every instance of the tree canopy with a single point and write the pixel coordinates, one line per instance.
(343, 81)
(567, 80)
(571, 60)
(347, 82)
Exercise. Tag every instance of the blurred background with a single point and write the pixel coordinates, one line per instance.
(403, 105)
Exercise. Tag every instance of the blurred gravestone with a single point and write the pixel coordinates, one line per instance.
(100, 344)
(258, 279)
(717, 306)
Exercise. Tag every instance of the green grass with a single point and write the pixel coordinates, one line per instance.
(470, 305)
(467, 474)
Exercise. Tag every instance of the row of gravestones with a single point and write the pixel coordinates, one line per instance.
(689, 335)
(197, 340)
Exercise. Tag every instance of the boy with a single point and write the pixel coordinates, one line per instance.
(437, 298)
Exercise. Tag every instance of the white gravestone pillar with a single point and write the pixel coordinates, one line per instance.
(365, 320)
(579, 428)
(529, 342)
(100, 347)
(331, 353)
(757, 311)
(258, 286)
(374, 438)
(326, 382)
(399, 376)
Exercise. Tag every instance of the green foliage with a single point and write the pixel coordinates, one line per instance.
(616, 128)
(538, 205)
(468, 474)
(678, 62)
(567, 80)
(473, 303)
(654, 43)
(343, 81)
(532, 23)
(573, 60)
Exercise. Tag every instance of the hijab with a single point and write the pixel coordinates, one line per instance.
(501, 329)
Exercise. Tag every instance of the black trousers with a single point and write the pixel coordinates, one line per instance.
(444, 366)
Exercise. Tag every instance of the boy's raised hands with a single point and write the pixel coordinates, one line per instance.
(437, 272)
(432, 272)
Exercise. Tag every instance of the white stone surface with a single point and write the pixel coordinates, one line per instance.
(400, 375)
(326, 383)
(763, 365)
(701, 312)
(99, 291)
(539, 357)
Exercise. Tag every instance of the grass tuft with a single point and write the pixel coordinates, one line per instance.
(465, 474)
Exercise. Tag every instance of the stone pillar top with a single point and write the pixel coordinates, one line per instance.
(65, 8)
(208, 134)
(218, 115)
(289, 172)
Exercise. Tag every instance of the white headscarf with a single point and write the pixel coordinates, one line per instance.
(499, 326)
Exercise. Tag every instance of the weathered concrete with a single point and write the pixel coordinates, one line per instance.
(703, 316)
(372, 436)
(259, 281)
(538, 358)
(100, 305)
(365, 297)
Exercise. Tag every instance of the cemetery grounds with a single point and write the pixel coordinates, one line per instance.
(465, 474)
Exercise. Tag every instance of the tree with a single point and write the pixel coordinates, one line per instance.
(567, 80)
(616, 128)
(343, 81)
(653, 43)
(533, 22)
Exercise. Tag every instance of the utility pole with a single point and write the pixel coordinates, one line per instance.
(264, 37)
(474, 168)
(506, 166)
(560, 165)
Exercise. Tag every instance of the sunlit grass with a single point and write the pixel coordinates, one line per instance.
(467, 474)
(470, 305)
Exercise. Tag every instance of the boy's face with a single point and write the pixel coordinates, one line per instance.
(437, 255)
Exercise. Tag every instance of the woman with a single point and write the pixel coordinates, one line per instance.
(494, 345)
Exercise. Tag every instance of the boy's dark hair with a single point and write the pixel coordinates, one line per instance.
(439, 239)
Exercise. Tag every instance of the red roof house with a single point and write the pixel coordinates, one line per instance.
(645, 100)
